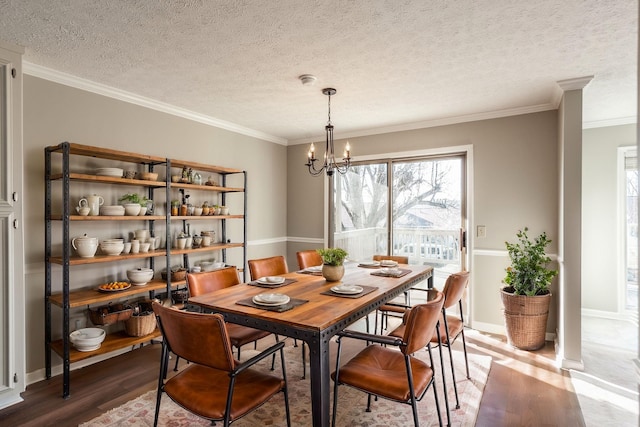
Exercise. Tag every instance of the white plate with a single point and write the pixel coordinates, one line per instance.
(370, 263)
(347, 289)
(392, 271)
(314, 269)
(271, 280)
(388, 263)
(271, 299)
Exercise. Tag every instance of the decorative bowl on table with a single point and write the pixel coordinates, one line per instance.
(140, 276)
(87, 339)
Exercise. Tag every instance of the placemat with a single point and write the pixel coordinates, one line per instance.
(402, 272)
(369, 265)
(365, 290)
(313, 273)
(293, 302)
(274, 285)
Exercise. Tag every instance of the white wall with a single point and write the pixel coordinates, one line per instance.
(600, 215)
(54, 113)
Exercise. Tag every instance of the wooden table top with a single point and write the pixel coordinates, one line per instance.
(321, 311)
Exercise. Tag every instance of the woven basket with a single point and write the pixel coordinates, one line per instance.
(526, 319)
(143, 324)
(108, 314)
(139, 326)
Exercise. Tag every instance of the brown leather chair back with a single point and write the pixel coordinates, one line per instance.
(209, 281)
(309, 258)
(421, 324)
(199, 338)
(271, 266)
(454, 288)
(397, 258)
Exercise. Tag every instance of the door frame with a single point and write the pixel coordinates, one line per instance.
(466, 209)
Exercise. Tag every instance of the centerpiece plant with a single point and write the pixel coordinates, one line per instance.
(333, 263)
(134, 198)
(526, 296)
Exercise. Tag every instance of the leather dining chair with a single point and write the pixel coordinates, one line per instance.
(309, 258)
(274, 266)
(271, 266)
(452, 326)
(211, 281)
(203, 340)
(449, 326)
(385, 309)
(385, 372)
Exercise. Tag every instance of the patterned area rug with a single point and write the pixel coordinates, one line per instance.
(351, 407)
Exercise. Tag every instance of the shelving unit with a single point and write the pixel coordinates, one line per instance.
(76, 298)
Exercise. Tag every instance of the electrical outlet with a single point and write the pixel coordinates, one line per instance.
(481, 231)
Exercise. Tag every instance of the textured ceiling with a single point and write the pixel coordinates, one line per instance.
(393, 62)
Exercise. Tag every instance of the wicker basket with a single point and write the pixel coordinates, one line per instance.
(526, 319)
(108, 314)
(142, 324)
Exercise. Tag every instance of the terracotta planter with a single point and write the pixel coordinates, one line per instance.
(332, 273)
(526, 319)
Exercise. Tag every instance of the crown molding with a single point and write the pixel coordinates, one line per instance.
(438, 122)
(111, 92)
(574, 84)
(631, 120)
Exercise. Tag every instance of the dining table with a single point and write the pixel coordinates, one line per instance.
(314, 313)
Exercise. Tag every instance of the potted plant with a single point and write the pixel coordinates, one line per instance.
(135, 205)
(333, 260)
(526, 296)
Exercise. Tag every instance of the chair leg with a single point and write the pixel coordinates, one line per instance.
(414, 405)
(175, 368)
(444, 380)
(433, 385)
(453, 371)
(368, 403)
(466, 359)
(335, 384)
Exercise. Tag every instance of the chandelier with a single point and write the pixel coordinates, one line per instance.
(329, 164)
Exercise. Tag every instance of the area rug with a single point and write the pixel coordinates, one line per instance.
(351, 407)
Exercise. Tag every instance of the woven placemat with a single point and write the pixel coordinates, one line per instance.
(365, 290)
(275, 285)
(293, 302)
(402, 272)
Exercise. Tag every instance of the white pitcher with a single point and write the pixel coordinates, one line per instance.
(95, 202)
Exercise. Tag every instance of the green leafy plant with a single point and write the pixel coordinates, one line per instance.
(528, 273)
(333, 256)
(134, 198)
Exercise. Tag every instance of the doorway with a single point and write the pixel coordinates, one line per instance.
(412, 206)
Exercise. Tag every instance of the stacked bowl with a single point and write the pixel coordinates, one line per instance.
(114, 210)
(87, 339)
(112, 246)
(140, 276)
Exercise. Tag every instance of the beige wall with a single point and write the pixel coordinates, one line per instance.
(514, 181)
(54, 113)
(601, 280)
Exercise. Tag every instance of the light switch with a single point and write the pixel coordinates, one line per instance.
(481, 231)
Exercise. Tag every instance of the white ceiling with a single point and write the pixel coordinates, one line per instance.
(395, 63)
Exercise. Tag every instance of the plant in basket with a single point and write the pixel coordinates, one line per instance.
(526, 297)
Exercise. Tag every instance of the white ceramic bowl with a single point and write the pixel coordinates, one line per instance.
(140, 276)
(87, 339)
(111, 248)
(207, 266)
(116, 210)
(132, 209)
(116, 172)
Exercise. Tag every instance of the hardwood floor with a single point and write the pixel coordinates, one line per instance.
(523, 389)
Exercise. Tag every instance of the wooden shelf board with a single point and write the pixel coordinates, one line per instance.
(215, 247)
(193, 217)
(203, 167)
(107, 153)
(203, 187)
(107, 258)
(108, 180)
(85, 297)
(112, 342)
(110, 218)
